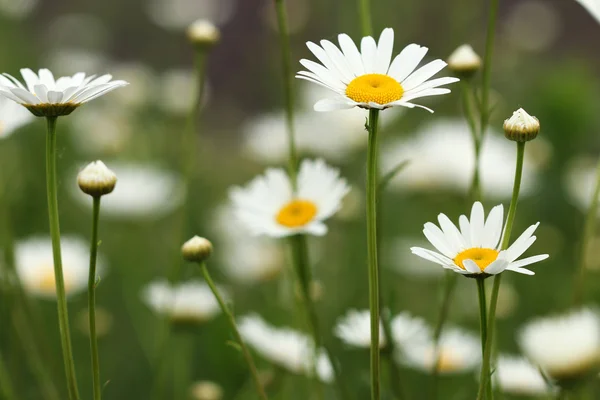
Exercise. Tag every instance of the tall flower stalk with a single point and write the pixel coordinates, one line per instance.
(6, 387)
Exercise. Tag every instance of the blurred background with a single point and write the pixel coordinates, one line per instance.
(545, 61)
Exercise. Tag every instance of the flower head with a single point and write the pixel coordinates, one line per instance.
(354, 329)
(464, 61)
(206, 390)
(96, 179)
(203, 33)
(565, 347)
(369, 78)
(521, 127)
(269, 206)
(46, 97)
(197, 249)
(12, 117)
(474, 250)
(516, 375)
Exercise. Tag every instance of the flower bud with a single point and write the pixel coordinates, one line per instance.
(521, 127)
(464, 62)
(96, 179)
(203, 33)
(197, 249)
(206, 390)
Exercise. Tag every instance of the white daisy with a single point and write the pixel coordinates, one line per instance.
(143, 191)
(408, 330)
(579, 181)
(458, 351)
(190, 301)
(284, 347)
(354, 329)
(45, 96)
(517, 376)
(564, 347)
(12, 117)
(369, 78)
(593, 7)
(35, 265)
(269, 206)
(475, 248)
(103, 130)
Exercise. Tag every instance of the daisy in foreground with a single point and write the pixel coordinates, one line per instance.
(269, 206)
(474, 250)
(46, 97)
(369, 78)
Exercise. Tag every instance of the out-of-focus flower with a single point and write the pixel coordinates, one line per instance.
(103, 130)
(143, 191)
(284, 347)
(206, 390)
(197, 249)
(533, 37)
(459, 351)
(565, 347)
(579, 181)
(142, 84)
(203, 33)
(369, 78)
(268, 205)
(35, 265)
(178, 91)
(432, 169)
(354, 329)
(104, 322)
(464, 62)
(96, 179)
(46, 97)
(12, 117)
(592, 6)
(521, 127)
(71, 60)
(179, 14)
(408, 330)
(517, 376)
(17, 9)
(400, 259)
(189, 302)
(474, 249)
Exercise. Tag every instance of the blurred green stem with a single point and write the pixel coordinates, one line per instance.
(92, 300)
(246, 353)
(61, 299)
(372, 250)
(389, 352)
(589, 229)
(6, 388)
(364, 12)
(487, 67)
(467, 105)
(288, 87)
(485, 378)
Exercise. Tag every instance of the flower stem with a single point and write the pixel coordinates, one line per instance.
(484, 382)
(475, 190)
(6, 388)
(372, 251)
(61, 298)
(487, 67)
(482, 312)
(288, 88)
(92, 300)
(389, 353)
(247, 356)
(589, 229)
(364, 11)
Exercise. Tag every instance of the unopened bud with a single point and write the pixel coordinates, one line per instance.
(206, 390)
(464, 62)
(197, 249)
(521, 127)
(96, 179)
(203, 33)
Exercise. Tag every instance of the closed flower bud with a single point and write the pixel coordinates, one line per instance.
(96, 179)
(206, 390)
(197, 249)
(464, 62)
(203, 33)
(521, 127)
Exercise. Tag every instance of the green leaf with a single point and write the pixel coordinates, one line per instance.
(385, 180)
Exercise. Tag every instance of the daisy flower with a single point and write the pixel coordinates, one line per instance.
(284, 347)
(517, 376)
(369, 78)
(12, 117)
(565, 347)
(579, 181)
(35, 265)
(592, 6)
(269, 206)
(474, 250)
(191, 301)
(354, 329)
(46, 97)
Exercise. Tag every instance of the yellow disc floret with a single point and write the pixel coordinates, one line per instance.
(374, 88)
(297, 213)
(481, 257)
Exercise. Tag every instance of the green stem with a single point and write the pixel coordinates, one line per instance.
(61, 298)
(92, 300)
(231, 319)
(487, 66)
(475, 190)
(484, 382)
(286, 55)
(364, 12)
(388, 353)
(372, 251)
(6, 388)
(482, 312)
(589, 228)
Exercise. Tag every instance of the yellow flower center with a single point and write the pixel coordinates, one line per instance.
(47, 281)
(296, 213)
(374, 88)
(481, 257)
(447, 362)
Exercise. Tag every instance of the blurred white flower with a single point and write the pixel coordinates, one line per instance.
(459, 351)
(565, 347)
(593, 7)
(17, 9)
(144, 191)
(442, 157)
(142, 84)
(12, 117)
(187, 302)
(203, 32)
(178, 90)
(179, 14)
(285, 347)
(408, 330)
(399, 258)
(354, 329)
(102, 130)
(533, 37)
(269, 206)
(517, 376)
(71, 60)
(579, 181)
(35, 265)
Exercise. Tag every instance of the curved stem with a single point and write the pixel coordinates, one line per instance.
(589, 229)
(6, 388)
(372, 251)
(286, 54)
(61, 299)
(484, 381)
(487, 66)
(92, 300)
(247, 356)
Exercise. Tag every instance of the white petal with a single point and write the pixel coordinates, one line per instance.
(47, 78)
(403, 103)
(496, 267)
(422, 74)
(425, 93)
(316, 228)
(309, 76)
(30, 78)
(24, 95)
(453, 235)
(384, 51)
(438, 240)
(432, 84)
(528, 261)
(41, 91)
(471, 266)
(477, 224)
(352, 54)
(493, 227)
(338, 58)
(465, 229)
(514, 251)
(523, 271)
(431, 256)
(11, 96)
(406, 62)
(324, 74)
(332, 105)
(54, 97)
(368, 49)
(15, 81)
(325, 59)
